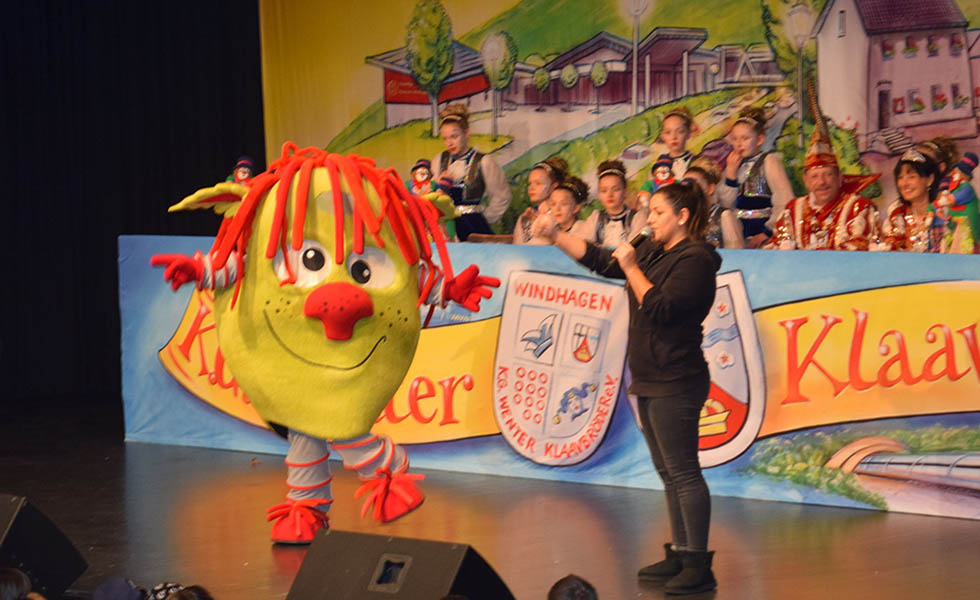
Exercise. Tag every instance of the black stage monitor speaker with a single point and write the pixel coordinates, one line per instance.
(32, 543)
(342, 565)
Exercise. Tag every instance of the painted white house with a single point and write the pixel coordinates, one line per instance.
(895, 71)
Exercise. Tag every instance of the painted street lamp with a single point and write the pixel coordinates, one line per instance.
(799, 25)
(635, 8)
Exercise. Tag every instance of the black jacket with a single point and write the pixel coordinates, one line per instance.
(665, 334)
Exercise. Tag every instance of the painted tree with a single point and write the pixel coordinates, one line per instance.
(599, 75)
(499, 55)
(784, 49)
(429, 50)
(542, 81)
(569, 79)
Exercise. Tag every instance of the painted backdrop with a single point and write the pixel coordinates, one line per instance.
(591, 79)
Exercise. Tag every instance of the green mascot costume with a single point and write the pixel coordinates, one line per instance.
(318, 271)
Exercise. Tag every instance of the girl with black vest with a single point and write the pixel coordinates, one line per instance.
(756, 184)
(676, 130)
(616, 222)
(469, 176)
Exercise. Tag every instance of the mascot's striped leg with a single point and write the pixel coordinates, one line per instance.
(309, 498)
(383, 466)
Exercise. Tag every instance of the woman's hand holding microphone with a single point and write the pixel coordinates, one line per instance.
(625, 253)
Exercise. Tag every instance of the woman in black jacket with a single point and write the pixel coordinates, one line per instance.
(670, 281)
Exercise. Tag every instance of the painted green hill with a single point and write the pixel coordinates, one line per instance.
(971, 10)
(532, 22)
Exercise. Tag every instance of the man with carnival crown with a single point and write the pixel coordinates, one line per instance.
(833, 215)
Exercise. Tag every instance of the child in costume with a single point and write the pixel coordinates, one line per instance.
(675, 132)
(316, 293)
(615, 223)
(756, 185)
(723, 230)
(909, 224)
(565, 204)
(541, 181)
(470, 175)
(956, 208)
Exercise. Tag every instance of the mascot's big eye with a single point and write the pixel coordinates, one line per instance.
(313, 259)
(310, 264)
(372, 269)
(360, 271)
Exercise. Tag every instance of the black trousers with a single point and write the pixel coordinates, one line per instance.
(471, 223)
(670, 426)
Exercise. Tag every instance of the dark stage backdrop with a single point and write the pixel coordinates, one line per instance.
(110, 111)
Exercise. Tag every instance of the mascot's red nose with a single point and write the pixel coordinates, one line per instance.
(339, 305)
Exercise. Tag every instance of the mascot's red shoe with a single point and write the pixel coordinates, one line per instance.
(297, 521)
(392, 495)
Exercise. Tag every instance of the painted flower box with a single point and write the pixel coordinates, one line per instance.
(887, 49)
(911, 47)
(956, 44)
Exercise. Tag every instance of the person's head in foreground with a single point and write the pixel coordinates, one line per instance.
(572, 587)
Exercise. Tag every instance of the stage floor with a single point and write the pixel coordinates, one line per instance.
(167, 513)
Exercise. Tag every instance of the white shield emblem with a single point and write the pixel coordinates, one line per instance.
(732, 415)
(559, 364)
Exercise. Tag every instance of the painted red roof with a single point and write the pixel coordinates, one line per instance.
(888, 16)
(466, 61)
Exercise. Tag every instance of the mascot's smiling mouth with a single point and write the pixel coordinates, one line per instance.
(313, 362)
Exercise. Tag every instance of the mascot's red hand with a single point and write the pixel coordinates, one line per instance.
(468, 287)
(180, 268)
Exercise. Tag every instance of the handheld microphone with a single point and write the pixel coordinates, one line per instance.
(641, 235)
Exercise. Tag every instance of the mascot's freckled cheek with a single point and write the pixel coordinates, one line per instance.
(282, 305)
(396, 320)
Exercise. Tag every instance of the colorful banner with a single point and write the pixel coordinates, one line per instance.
(811, 370)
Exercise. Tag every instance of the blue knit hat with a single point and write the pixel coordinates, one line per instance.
(664, 160)
(967, 164)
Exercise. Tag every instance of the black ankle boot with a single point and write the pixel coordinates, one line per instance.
(695, 577)
(665, 569)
